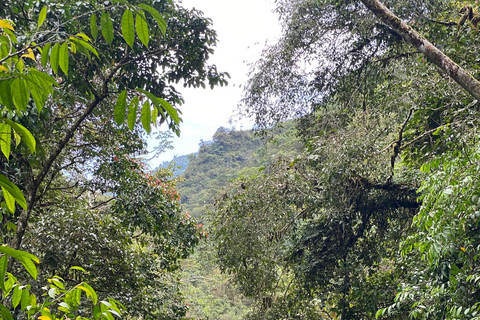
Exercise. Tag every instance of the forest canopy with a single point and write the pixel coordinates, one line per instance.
(94, 231)
(378, 216)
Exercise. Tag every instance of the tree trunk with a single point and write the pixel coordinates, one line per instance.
(457, 73)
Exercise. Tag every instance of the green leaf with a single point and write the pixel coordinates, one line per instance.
(142, 28)
(128, 30)
(132, 113)
(6, 94)
(3, 270)
(54, 57)
(160, 103)
(63, 58)
(84, 44)
(41, 17)
(14, 191)
(25, 302)
(146, 116)
(172, 112)
(162, 24)
(6, 315)
(27, 136)
(16, 296)
(89, 291)
(45, 54)
(93, 26)
(119, 113)
(107, 27)
(20, 94)
(5, 139)
(78, 268)
(9, 200)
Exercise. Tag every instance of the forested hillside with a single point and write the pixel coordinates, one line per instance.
(378, 216)
(229, 155)
(364, 203)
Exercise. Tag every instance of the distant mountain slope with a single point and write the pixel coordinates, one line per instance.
(180, 164)
(231, 153)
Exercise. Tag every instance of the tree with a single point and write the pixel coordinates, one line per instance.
(78, 136)
(350, 238)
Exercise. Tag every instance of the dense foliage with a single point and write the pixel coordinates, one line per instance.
(81, 84)
(377, 216)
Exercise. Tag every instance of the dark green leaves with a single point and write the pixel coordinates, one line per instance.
(119, 113)
(146, 116)
(93, 26)
(54, 56)
(19, 93)
(128, 30)
(132, 113)
(63, 57)
(107, 27)
(156, 15)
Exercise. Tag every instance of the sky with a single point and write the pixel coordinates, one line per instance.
(243, 29)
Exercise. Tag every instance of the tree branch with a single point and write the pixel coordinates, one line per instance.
(437, 57)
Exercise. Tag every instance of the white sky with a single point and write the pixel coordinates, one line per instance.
(243, 27)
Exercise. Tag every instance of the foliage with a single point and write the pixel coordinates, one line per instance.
(76, 81)
(230, 154)
(390, 158)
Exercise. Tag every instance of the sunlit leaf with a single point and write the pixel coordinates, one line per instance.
(41, 17)
(5, 139)
(6, 25)
(13, 190)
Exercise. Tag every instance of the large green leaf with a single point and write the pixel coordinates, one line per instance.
(84, 44)
(24, 257)
(128, 30)
(107, 27)
(160, 103)
(20, 94)
(146, 117)
(13, 190)
(25, 299)
(9, 200)
(63, 57)
(142, 28)
(16, 296)
(54, 57)
(27, 136)
(6, 315)
(5, 139)
(3, 270)
(162, 24)
(6, 94)
(45, 54)
(41, 17)
(120, 108)
(132, 113)
(89, 291)
(93, 26)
